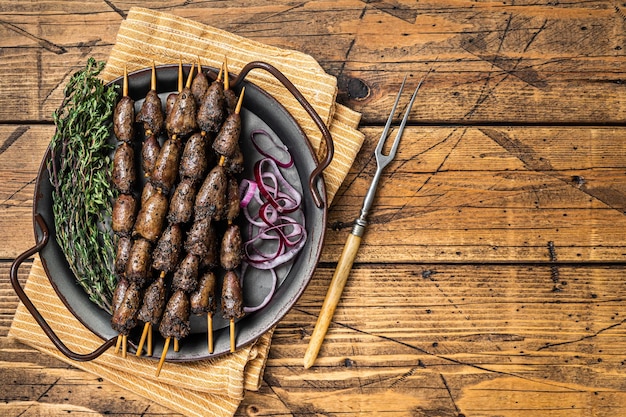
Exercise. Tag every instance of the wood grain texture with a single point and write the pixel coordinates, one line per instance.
(491, 194)
(490, 281)
(537, 62)
(429, 338)
(453, 194)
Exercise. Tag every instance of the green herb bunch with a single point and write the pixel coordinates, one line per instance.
(80, 167)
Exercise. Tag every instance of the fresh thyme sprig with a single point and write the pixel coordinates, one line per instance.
(79, 170)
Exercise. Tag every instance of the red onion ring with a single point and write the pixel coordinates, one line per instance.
(285, 202)
(297, 231)
(247, 189)
(270, 204)
(276, 258)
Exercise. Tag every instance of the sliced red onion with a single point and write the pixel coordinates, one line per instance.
(268, 214)
(286, 201)
(256, 257)
(247, 189)
(272, 208)
(285, 160)
(275, 258)
(254, 220)
(298, 232)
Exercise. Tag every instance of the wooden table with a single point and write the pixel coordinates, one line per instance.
(490, 281)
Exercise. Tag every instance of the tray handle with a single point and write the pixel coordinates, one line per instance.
(330, 148)
(82, 357)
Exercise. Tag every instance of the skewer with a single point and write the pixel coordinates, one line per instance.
(125, 85)
(226, 77)
(121, 339)
(153, 85)
(176, 345)
(180, 75)
(218, 78)
(124, 345)
(232, 321)
(146, 330)
(220, 73)
(149, 343)
(229, 95)
(189, 77)
(209, 319)
(232, 335)
(166, 346)
(180, 83)
(118, 344)
(239, 103)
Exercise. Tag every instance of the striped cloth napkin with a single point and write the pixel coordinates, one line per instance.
(213, 387)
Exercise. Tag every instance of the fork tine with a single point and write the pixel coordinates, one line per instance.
(383, 136)
(396, 141)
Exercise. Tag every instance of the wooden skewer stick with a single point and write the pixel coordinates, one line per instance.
(149, 343)
(180, 75)
(226, 77)
(146, 329)
(219, 74)
(190, 76)
(237, 110)
(124, 345)
(209, 319)
(118, 344)
(125, 84)
(153, 78)
(240, 101)
(176, 345)
(232, 321)
(166, 346)
(232, 335)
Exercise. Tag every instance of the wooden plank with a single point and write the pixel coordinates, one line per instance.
(22, 150)
(490, 281)
(407, 339)
(36, 384)
(8, 297)
(450, 304)
(528, 64)
(490, 194)
(438, 340)
(471, 194)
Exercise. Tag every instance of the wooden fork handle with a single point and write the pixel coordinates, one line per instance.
(333, 295)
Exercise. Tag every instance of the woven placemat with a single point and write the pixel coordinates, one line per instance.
(213, 387)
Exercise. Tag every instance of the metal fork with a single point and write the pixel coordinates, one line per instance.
(344, 265)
